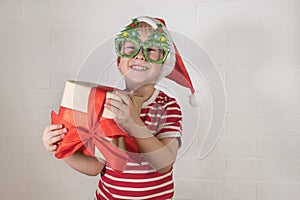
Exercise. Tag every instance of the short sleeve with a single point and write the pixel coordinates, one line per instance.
(170, 123)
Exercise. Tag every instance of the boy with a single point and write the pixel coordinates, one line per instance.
(145, 54)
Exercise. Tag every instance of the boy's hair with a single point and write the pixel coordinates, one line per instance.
(144, 25)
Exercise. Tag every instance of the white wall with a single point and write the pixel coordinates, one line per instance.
(255, 45)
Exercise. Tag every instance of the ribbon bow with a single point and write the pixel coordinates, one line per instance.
(87, 130)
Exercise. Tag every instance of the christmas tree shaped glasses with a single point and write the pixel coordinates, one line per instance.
(155, 49)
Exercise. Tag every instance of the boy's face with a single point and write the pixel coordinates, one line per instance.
(137, 70)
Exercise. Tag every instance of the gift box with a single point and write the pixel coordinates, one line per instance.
(91, 125)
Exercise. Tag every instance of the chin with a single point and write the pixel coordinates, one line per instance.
(134, 83)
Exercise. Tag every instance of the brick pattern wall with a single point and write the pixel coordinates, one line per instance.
(255, 45)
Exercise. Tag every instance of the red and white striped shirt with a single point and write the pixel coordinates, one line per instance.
(162, 115)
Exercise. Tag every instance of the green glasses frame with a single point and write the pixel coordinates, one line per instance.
(144, 45)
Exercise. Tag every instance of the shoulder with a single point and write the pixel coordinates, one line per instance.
(161, 104)
(165, 100)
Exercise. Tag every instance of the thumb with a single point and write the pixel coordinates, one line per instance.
(136, 100)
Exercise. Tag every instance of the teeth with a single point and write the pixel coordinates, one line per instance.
(139, 68)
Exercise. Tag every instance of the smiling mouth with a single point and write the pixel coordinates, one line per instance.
(138, 68)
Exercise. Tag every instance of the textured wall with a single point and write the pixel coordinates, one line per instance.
(254, 43)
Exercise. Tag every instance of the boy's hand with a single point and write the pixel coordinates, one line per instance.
(52, 135)
(126, 110)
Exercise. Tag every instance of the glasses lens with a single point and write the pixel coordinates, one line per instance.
(126, 48)
(155, 53)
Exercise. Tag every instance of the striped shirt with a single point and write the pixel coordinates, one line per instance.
(162, 115)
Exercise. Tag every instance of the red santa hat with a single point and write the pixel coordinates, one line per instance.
(173, 68)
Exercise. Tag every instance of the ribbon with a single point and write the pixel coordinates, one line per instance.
(87, 130)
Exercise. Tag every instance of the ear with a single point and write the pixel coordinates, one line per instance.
(119, 65)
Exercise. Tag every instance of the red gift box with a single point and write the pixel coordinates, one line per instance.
(90, 125)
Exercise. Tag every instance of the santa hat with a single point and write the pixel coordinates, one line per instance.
(173, 67)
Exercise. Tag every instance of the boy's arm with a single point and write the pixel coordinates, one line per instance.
(82, 163)
(160, 153)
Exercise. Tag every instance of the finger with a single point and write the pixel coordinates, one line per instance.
(118, 112)
(56, 139)
(52, 148)
(116, 104)
(133, 100)
(52, 137)
(138, 102)
(58, 132)
(124, 96)
(53, 127)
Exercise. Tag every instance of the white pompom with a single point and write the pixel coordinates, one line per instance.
(196, 99)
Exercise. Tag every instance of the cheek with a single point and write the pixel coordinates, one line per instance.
(157, 68)
(123, 64)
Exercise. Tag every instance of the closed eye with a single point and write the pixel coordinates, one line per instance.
(152, 49)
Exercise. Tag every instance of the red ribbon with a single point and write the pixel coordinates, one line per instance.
(87, 130)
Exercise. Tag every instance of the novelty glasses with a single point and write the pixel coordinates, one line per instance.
(153, 51)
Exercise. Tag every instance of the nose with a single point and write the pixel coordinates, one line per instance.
(140, 55)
